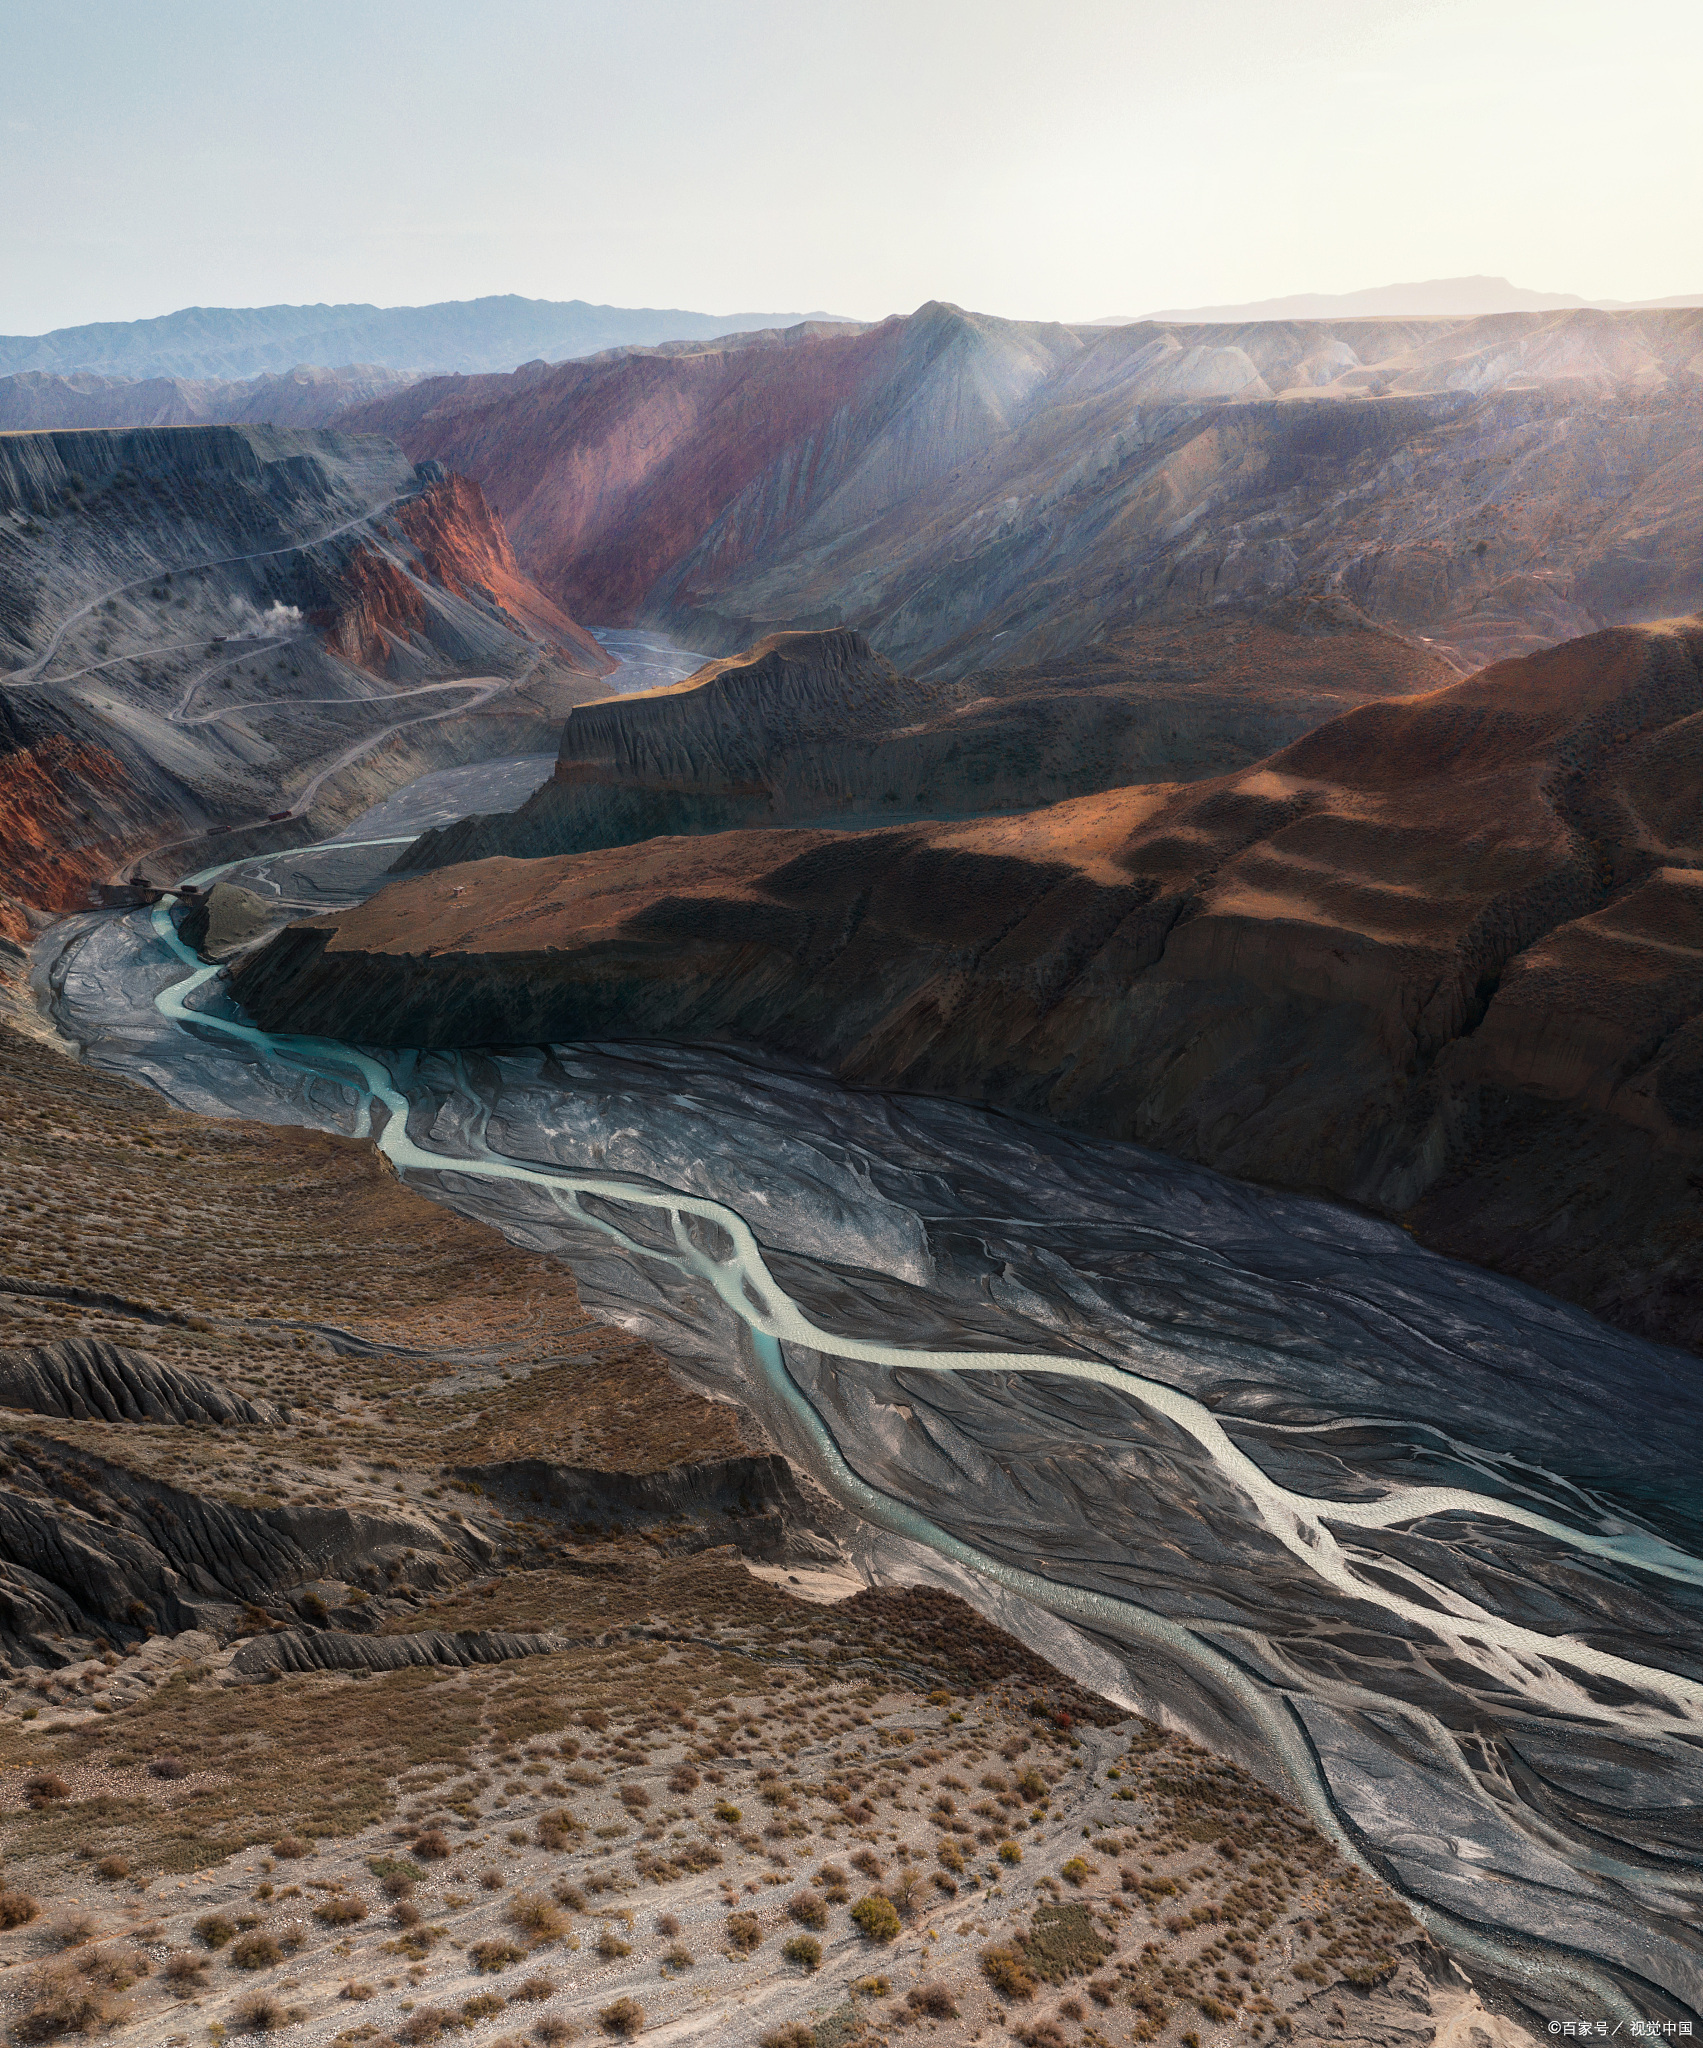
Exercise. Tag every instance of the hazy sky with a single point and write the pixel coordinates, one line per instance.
(1036, 158)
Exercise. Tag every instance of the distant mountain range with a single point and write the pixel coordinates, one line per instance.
(470, 335)
(1437, 298)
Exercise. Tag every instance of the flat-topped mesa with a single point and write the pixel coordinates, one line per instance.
(817, 728)
(788, 730)
(724, 730)
(1443, 942)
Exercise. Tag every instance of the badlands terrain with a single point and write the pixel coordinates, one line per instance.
(202, 627)
(971, 491)
(952, 1289)
(390, 1650)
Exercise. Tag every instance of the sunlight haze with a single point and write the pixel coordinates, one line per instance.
(1067, 163)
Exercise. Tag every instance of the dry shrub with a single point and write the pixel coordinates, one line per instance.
(256, 1951)
(482, 2006)
(808, 1909)
(634, 1797)
(341, 1910)
(356, 1991)
(495, 1954)
(624, 2019)
(1007, 1972)
(185, 1973)
(552, 2031)
(167, 1767)
(683, 1779)
(112, 1868)
(795, 2034)
(289, 1847)
(933, 2000)
(79, 1994)
(17, 1909)
(744, 1932)
(906, 1891)
(668, 1924)
(424, 2024)
(262, 2012)
(74, 1930)
(571, 1896)
(532, 1991)
(433, 1845)
(611, 1947)
(869, 1864)
(213, 1930)
(679, 1958)
(492, 1880)
(536, 1917)
(44, 1789)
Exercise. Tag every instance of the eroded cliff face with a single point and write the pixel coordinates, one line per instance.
(203, 626)
(1445, 941)
(970, 491)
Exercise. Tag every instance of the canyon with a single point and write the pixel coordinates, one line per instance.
(1038, 1116)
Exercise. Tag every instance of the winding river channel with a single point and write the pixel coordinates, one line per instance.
(1422, 1546)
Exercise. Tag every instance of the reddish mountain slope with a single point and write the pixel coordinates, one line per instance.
(1447, 941)
(607, 472)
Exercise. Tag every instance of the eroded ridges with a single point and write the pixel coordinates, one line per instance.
(88, 1376)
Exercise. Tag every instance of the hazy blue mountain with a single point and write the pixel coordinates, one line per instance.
(1437, 297)
(461, 334)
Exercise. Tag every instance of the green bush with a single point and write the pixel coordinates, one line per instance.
(876, 1917)
(805, 1950)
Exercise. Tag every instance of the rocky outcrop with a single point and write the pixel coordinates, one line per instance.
(337, 1650)
(1334, 971)
(971, 491)
(92, 1549)
(816, 727)
(88, 1376)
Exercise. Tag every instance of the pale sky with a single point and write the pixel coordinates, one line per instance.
(1060, 159)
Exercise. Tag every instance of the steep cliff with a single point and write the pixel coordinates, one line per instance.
(970, 491)
(817, 727)
(1448, 939)
(201, 626)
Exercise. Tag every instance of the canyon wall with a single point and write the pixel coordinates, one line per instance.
(818, 728)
